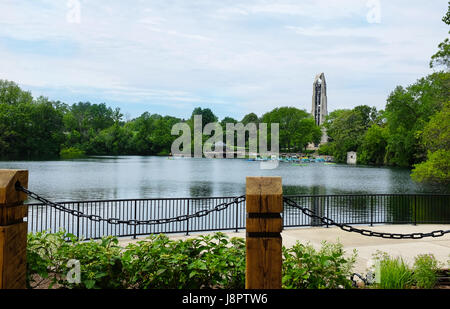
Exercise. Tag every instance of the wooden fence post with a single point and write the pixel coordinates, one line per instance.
(264, 199)
(13, 231)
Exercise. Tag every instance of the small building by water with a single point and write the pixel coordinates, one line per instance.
(351, 157)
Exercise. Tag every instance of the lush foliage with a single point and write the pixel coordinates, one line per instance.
(208, 261)
(48, 256)
(401, 135)
(306, 268)
(72, 153)
(39, 128)
(407, 113)
(203, 262)
(28, 127)
(211, 261)
(425, 271)
(394, 273)
(346, 129)
(297, 128)
(436, 139)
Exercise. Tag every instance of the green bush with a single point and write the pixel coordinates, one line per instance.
(72, 153)
(425, 271)
(306, 268)
(394, 273)
(211, 261)
(48, 255)
(202, 262)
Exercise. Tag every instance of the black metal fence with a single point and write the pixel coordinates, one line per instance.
(344, 209)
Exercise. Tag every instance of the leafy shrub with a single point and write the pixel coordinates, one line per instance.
(203, 262)
(48, 255)
(72, 153)
(425, 271)
(306, 268)
(211, 261)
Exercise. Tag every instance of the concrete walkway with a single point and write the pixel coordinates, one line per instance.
(365, 246)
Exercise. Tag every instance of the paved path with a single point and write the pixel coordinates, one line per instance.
(365, 246)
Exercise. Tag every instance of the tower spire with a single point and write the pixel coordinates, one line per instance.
(319, 106)
(319, 99)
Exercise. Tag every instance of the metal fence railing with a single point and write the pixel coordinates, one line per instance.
(367, 209)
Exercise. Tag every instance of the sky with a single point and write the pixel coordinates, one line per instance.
(234, 57)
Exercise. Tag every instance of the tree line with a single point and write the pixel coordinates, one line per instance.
(33, 128)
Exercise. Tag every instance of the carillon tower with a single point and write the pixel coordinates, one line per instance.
(319, 99)
(319, 106)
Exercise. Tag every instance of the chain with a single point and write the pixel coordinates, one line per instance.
(223, 206)
(133, 222)
(348, 228)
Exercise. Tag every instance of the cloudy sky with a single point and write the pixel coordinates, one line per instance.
(235, 57)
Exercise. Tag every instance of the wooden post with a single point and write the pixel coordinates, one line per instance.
(264, 199)
(13, 231)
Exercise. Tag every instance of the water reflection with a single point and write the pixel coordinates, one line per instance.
(199, 189)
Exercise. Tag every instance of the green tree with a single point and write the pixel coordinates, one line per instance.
(296, 127)
(227, 120)
(141, 128)
(12, 94)
(207, 115)
(346, 129)
(436, 140)
(84, 121)
(250, 118)
(28, 128)
(373, 146)
(45, 135)
(151, 134)
(407, 112)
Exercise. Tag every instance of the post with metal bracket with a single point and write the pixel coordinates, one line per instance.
(13, 230)
(264, 199)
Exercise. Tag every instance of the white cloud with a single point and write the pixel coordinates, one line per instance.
(252, 54)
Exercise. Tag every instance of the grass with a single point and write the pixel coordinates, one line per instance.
(425, 271)
(394, 273)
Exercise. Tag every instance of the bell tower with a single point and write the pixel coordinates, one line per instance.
(319, 107)
(319, 99)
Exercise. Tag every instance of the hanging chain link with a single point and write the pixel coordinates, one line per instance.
(348, 228)
(133, 222)
(223, 206)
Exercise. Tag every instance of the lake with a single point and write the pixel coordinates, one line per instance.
(129, 177)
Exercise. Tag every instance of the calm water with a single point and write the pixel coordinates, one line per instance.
(128, 177)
